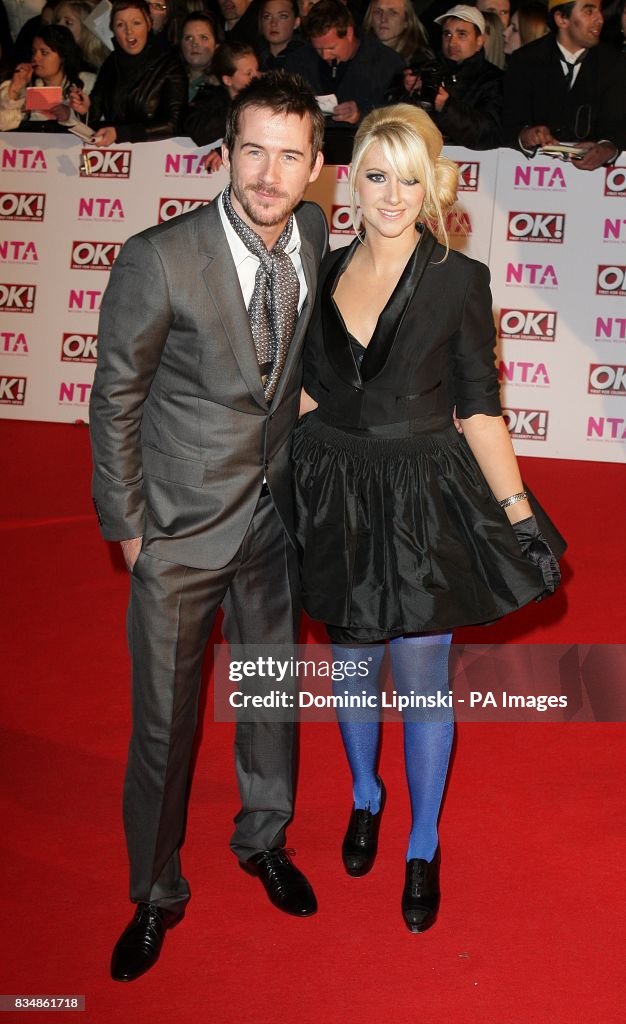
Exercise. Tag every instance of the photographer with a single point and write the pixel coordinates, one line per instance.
(462, 91)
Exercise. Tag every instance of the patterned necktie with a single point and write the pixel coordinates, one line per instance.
(273, 308)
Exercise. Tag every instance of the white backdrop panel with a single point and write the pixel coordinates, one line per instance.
(553, 238)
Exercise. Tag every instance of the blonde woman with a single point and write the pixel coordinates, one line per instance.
(407, 528)
(494, 39)
(72, 14)
(395, 23)
(528, 22)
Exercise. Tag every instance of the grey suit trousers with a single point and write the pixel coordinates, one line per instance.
(171, 614)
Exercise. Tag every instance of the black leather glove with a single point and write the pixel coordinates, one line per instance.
(536, 548)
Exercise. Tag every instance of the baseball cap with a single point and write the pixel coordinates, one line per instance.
(465, 13)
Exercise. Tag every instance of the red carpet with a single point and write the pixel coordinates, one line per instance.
(531, 925)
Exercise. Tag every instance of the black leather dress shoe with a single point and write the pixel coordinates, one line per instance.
(286, 887)
(360, 843)
(421, 895)
(139, 945)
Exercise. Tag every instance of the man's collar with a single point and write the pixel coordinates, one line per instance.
(568, 56)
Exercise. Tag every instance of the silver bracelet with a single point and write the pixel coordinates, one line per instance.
(513, 499)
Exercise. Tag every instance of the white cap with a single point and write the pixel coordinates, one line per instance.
(464, 13)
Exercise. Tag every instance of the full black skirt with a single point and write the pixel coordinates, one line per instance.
(403, 535)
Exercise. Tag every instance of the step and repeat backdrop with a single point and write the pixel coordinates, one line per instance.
(554, 238)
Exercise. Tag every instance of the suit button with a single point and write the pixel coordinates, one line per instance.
(266, 465)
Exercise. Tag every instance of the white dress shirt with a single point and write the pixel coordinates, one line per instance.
(568, 58)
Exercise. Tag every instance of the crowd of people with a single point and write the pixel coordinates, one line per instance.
(495, 74)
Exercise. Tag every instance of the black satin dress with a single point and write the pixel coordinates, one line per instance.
(397, 528)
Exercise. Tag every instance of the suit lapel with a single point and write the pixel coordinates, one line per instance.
(390, 320)
(336, 337)
(220, 277)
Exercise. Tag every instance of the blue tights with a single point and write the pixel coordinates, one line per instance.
(420, 666)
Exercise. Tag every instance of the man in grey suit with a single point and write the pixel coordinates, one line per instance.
(195, 396)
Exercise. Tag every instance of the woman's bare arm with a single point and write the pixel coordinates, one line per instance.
(491, 446)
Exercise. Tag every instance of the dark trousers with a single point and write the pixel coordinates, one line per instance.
(171, 615)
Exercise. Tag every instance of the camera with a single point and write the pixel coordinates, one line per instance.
(430, 75)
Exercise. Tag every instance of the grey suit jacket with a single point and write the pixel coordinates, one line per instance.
(182, 435)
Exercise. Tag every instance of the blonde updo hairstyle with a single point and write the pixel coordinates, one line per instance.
(412, 144)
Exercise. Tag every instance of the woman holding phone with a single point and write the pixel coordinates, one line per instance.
(56, 61)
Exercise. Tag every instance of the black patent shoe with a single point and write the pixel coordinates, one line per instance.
(421, 894)
(360, 844)
(285, 885)
(139, 945)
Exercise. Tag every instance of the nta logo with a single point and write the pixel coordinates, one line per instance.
(94, 255)
(536, 227)
(23, 160)
(84, 300)
(72, 393)
(527, 324)
(12, 390)
(538, 177)
(611, 280)
(527, 424)
(458, 223)
(22, 206)
(523, 373)
(15, 251)
(614, 229)
(13, 343)
(605, 379)
(184, 165)
(169, 208)
(105, 163)
(100, 208)
(606, 428)
(79, 348)
(610, 328)
(17, 298)
(532, 274)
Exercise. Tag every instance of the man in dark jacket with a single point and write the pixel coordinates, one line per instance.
(358, 71)
(468, 106)
(241, 20)
(568, 87)
(337, 62)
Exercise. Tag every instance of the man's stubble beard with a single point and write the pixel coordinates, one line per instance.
(261, 218)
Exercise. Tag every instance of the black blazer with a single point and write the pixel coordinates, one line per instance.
(535, 92)
(144, 107)
(433, 347)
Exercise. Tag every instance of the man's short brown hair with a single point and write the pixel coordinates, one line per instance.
(281, 93)
(325, 16)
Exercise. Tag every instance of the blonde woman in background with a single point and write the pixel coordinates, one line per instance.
(72, 14)
(528, 22)
(494, 39)
(395, 23)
